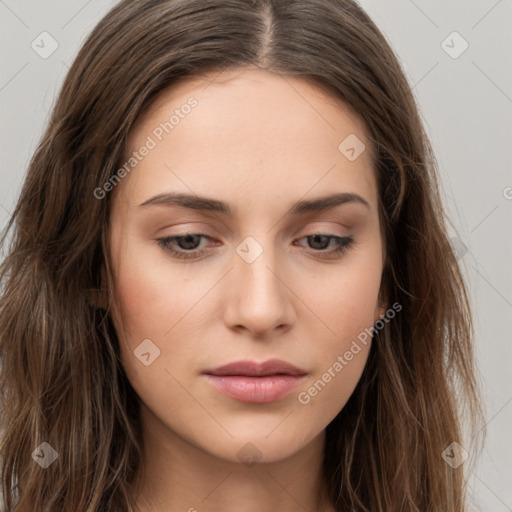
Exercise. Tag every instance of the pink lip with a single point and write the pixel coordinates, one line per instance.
(253, 382)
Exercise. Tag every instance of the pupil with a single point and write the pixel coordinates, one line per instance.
(318, 239)
(188, 243)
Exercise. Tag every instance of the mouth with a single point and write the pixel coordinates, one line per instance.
(248, 381)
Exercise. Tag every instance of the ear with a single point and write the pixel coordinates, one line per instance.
(382, 304)
(379, 312)
(98, 297)
(383, 299)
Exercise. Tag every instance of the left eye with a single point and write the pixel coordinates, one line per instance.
(188, 244)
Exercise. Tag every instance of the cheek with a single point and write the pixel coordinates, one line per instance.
(147, 307)
(329, 390)
(157, 302)
(346, 302)
(150, 299)
(342, 352)
(344, 299)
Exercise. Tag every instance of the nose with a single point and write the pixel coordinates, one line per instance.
(259, 292)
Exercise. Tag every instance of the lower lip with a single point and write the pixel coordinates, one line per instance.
(255, 389)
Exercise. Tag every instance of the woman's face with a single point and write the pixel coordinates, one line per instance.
(256, 155)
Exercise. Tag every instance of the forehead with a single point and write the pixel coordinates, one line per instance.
(249, 130)
(238, 98)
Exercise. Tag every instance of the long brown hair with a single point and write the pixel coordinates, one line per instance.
(62, 382)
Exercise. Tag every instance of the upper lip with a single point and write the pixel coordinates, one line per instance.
(254, 369)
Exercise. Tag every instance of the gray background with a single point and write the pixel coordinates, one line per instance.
(466, 104)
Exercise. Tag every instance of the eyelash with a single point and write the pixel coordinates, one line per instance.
(344, 243)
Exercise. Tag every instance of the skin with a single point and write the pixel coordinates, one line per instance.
(259, 142)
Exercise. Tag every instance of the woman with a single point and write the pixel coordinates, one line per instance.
(229, 283)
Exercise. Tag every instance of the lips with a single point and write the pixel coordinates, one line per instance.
(248, 381)
(253, 369)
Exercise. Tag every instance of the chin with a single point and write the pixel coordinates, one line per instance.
(251, 446)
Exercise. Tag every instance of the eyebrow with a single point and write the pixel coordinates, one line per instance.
(302, 207)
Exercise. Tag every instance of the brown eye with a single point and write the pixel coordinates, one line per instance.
(320, 242)
(187, 245)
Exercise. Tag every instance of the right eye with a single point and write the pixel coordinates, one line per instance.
(189, 241)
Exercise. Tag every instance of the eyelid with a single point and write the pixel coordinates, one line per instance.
(322, 227)
(343, 244)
